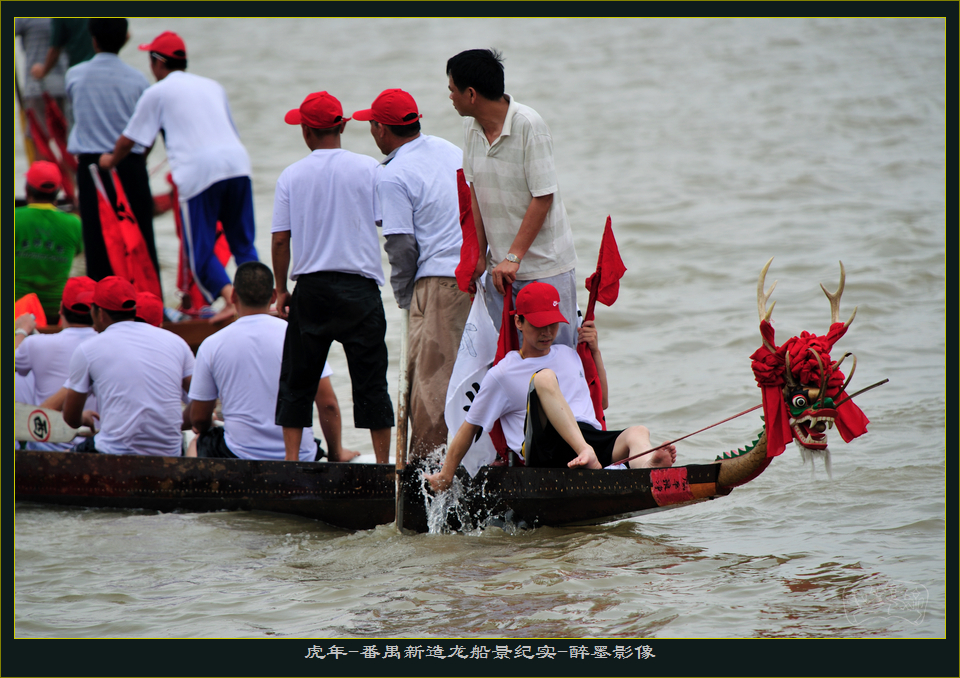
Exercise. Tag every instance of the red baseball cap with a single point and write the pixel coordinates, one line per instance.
(167, 44)
(44, 176)
(78, 294)
(319, 110)
(113, 293)
(540, 304)
(392, 107)
(150, 308)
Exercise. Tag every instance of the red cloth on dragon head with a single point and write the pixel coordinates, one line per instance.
(769, 367)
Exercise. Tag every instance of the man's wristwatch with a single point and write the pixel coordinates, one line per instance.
(512, 258)
(22, 331)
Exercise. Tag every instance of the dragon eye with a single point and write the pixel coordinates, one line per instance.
(799, 400)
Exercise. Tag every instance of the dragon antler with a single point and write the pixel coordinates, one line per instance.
(763, 298)
(834, 298)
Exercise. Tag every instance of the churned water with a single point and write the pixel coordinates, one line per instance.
(714, 144)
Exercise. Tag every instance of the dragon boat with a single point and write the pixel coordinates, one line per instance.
(803, 393)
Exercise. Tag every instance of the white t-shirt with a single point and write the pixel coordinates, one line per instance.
(202, 142)
(327, 202)
(240, 365)
(136, 371)
(519, 165)
(503, 392)
(47, 357)
(45, 360)
(417, 189)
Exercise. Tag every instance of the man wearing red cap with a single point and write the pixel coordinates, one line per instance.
(420, 216)
(42, 360)
(210, 166)
(324, 211)
(517, 209)
(138, 373)
(541, 398)
(47, 240)
(149, 309)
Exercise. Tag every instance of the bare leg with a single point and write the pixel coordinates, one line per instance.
(328, 408)
(560, 415)
(381, 444)
(291, 442)
(635, 440)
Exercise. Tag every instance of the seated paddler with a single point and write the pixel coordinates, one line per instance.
(542, 400)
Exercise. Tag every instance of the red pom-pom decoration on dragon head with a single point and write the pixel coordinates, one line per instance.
(802, 386)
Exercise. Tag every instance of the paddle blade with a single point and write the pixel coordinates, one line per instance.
(40, 425)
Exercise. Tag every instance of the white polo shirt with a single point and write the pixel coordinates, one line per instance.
(417, 189)
(240, 365)
(505, 175)
(202, 142)
(136, 371)
(327, 202)
(503, 392)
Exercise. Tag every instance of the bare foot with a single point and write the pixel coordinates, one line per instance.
(587, 459)
(344, 456)
(665, 456)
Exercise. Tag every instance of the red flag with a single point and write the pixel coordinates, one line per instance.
(126, 247)
(191, 298)
(42, 141)
(57, 126)
(506, 342)
(604, 286)
(610, 268)
(470, 249)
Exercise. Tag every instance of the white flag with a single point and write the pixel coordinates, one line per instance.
(478, 348)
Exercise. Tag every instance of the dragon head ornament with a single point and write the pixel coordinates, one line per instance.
(802, 386)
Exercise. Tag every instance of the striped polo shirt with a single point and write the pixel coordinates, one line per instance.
(104, 92)
(505, 175)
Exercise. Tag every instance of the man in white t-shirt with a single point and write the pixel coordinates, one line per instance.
(542, 400)
(324, 210)
(43, 360)
(420, 216)
(240, 366)
(210, 165)
(138, 374)
(517, 209)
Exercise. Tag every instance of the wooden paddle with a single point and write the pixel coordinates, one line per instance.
(403, 397)
(41, 425)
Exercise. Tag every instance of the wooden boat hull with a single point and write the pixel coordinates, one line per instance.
(534, 497)
(351, 496)
(360, 496)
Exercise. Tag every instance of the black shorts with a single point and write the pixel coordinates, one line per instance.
(212, 444)
(543, 446)
(327, 307)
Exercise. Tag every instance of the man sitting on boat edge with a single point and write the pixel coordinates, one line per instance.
(138, 374)
(240, 366)
(548, 380)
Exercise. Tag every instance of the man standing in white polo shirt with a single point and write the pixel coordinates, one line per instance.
(420, 215)
(138, 374)
(210, 166)
(240, 366)
(517, 209)
(324, 210)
